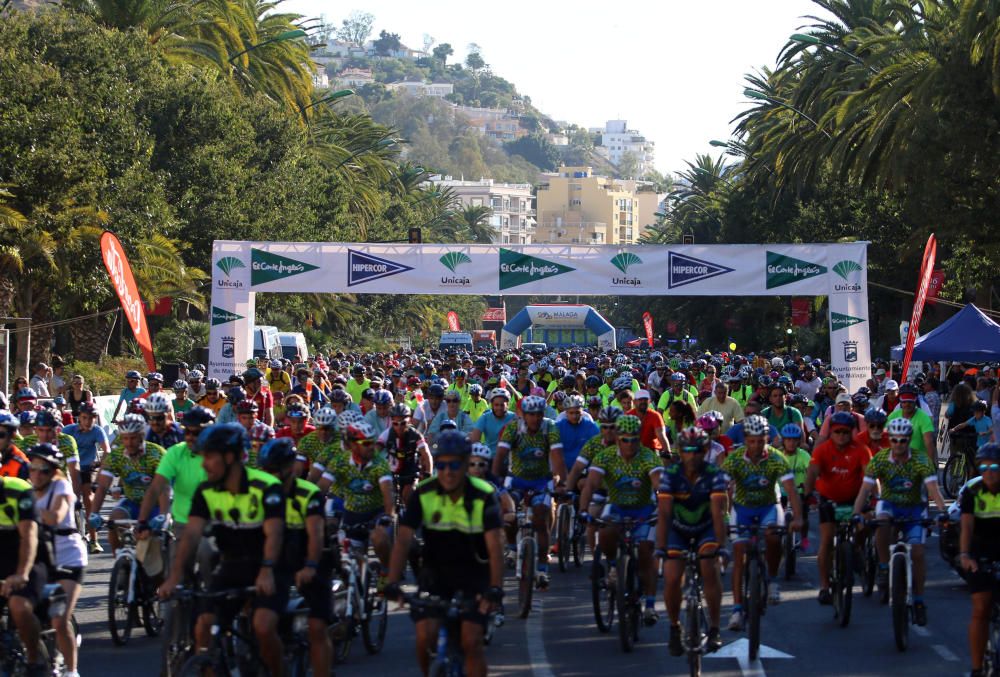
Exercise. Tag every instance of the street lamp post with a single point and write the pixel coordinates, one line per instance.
(788, 333)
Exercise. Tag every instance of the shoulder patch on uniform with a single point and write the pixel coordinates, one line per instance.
(272, 499)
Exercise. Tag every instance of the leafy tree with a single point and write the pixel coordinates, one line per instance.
(536, 149)
(475, 61)
(387, 43)
(356, 28)
(628, 165)
(442, 52)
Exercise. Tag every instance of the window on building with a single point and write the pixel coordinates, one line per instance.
(477, 202)
(506, 239)
(575, 203)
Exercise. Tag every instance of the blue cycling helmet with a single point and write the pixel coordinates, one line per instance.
(453, 443)
(875, 417)
(989, 452)
(791, 431)
(383, 397)
(225, 438)
(46, 419)
(843, 418)
(277, 454)
(27, 417)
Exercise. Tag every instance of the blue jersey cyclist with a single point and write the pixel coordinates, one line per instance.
(630, 473)
(756, 469)
(535, 456)
(575, 430)
(903, 476)
(692, 506)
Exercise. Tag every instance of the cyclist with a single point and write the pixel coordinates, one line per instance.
(450, 413)
(836, 472)
(777, 414)
(182, 403)
(874, 436)
(256, 392)
(47, 425)
(162, 430)
(358, 383)
(378, 418)
(653, 432)
(798, 459)
(297, 423)
(679, 390)
(315, 446)
(213, 398)
(692, 501)
(54, 501)
(246, 510)
(721, 402)
(492, 423)
(131, 391)
(92, 444)
(903, 477)
(923, 439)
(754, 469)
(535, 451)
(629, 473)
(302, 558)
(133, 461)
(405, 448)
(22, 566)
(260, 434)
(460, 519)
(574, 430)
(278, 380)
(475, 405)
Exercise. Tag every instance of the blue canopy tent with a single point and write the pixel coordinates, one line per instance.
(967, 336)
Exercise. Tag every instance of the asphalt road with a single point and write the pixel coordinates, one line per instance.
(560, 637)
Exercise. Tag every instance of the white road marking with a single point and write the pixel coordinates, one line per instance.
(920, 630)
(740, 650)
(945, 653)
(536, 645)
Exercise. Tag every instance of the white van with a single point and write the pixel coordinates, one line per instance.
(265, 342)
(293, 346)
(455, 340)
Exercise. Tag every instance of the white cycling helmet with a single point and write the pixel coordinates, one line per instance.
(348, 417)
(574, 402)
(532, 404)
(326, 418)
(499, 392)
(481, 450)
(755, 425)
(900, 427)
(158, 403)
(132, 423)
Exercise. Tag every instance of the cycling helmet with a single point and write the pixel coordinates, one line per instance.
(383, 397)
(622, 383)
(213, 384)
(592, 382)
(799, 398)
(791, 430)
(481, 450)
(347, 417)
(296, 410)
(277, 454)
(132, 374)
(610, 373)
(707, 423)
(195, 375)
(595, 401)
(693, 439)
(908, 389)
(260, 432)
(252, 372)
(900, 427)
(475, 389)
(158, 404)
(499, 392)
(46, 419)
(678, 377)
(132, 423)
(988, 452)
(435, 390)
(875, 417)
(28, 417)
(198, 417)
(755, 425)
(532, 404)
(844, 418)
(9, 420)
(360, 430)
(49, 453)
(785, 381)
(341, 396)
(154, 376)
(400, 411)
(87, 408)
(980, 405)
(573, 402)
(25, 394)
(560, 372)
(224, 438)
(538, 391)
(777, 363)
(628, 424)
(246, 407)
(765, 380)
(448, 424)
(180, 384)
(461, 373)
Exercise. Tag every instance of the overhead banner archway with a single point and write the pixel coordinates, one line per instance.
(570, 316)
(840, 271)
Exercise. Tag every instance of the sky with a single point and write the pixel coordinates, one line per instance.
(673, 69)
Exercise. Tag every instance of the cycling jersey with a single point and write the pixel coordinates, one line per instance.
(401, 452)
(590, 449)
(172, 435)
(316, 450)
(303, 501)
(692, 502)
(921, 424)
(216, 406)
(840, 472)
(984, 506)
(573, 437)
(134, 472)
(278, 380)
(490, 426)
(902, 482)
(629, 483)
(88, 442)
(788, 415)
(65, 443)
(354, 389)
(474, 409)
(799, 463)
(15, 463)
(686, 395)
(17, 504)
(754, 483)
(379, 423)
(183, 469)
(359, 486)
(529, 452)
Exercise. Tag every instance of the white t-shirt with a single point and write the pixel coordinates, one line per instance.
(809, 388)
(69, 550)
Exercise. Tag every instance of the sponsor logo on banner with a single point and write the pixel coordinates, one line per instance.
(227, 265)
(850, 273)
(623, 262)
(782, 270)
(564, 315)
(222, 316)
(517, 268)
(494, 315)
(683, 269)
(362, 267)
(451, 261)
(267, 267)
(850, 351)
(841, 321)
(228, 347)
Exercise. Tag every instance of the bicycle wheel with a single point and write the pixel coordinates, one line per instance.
(602, 596)
(563, 527)
(693, 626)
(869, 565)
(526, 586)
(297, 664)
(845, 582)
(119, 613)
(754, 605)
(341, 637)
(579, 545)
(626, 602)
(991, 659)
(177, 646)
(788, 543)
(199, 666)
(152, 622)
(954, 475)
(376, 613)
(900, 610)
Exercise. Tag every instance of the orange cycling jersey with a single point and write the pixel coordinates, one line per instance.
(15, 464)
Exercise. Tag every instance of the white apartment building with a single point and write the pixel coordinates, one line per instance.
(420, 88)
(513, 216)
(617, 139)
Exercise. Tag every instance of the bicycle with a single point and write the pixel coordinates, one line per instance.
(901, 579)
(869, 562)
(526, 558)
(842, 573)
(790, 546)
(628, 593)
(695, 625)
(447, 659)
(361, 607)
(991, 658)
(755, 581)
(13, 657)
(293, 628)
(602, 594)
(178, 632)
(233, 651)
(130, 589)
(568, 532)
(958, 469)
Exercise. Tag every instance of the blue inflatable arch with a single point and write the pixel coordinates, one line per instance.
(562, 316)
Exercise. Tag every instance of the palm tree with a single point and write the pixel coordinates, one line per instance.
(474, 224)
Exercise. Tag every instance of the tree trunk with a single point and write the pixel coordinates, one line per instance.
(90, 337)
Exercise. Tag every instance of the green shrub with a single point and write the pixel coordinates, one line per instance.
(106, 377)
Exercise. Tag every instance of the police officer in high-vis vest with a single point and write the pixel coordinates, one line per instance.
(462, 554)
(246, 510)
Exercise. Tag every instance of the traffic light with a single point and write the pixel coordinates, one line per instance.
(415, 236)
(687, 239)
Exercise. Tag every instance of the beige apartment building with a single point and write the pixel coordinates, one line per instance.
(575, 207)
(512, 215)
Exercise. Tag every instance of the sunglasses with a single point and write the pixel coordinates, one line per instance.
(693, 450)
(478, 464)
(45, 470)
(161, 417)
(875, 426)
(841, 431)
(400, 424)
(628, 440)
(3, 435)
(449, 465)
(992, 467)
(899, 440)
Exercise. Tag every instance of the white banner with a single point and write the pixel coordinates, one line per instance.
(242, 268)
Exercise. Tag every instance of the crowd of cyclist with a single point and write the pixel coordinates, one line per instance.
(442, 448)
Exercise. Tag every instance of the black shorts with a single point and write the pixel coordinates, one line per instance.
(87, 474)
(828, 509)
(470, 611)
(351, 520)
(318, 598)
(241, 574)
(74, 574)
(982, 581)
(35, 587)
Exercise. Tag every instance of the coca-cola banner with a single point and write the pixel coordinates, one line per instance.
(453, 321)
(647, 323)
(123, 282)
(495, 315)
